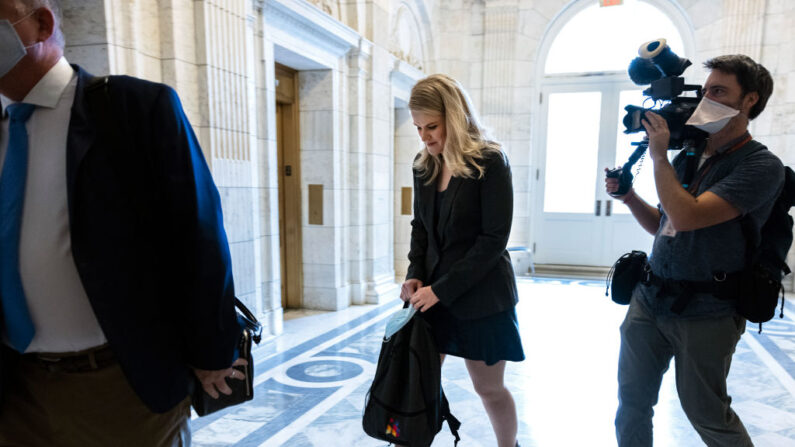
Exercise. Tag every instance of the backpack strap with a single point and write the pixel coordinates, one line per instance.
(751, 242)
(452, 422)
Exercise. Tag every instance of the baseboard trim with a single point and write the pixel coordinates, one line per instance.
(571, 271)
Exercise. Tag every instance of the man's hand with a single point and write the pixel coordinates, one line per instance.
(215, 381)
(424, 299)
(658, 134)
(612, 185)
(409, 288)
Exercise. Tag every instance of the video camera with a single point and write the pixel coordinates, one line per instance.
(662, 68)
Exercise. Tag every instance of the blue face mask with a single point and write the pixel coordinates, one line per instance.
(12, 50)
(398, 320)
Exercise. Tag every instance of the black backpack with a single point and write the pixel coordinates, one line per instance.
(766, 255)
(405, 404)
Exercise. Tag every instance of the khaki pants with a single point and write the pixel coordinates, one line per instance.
(83, 409)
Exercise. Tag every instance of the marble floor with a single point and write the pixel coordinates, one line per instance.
(311, 380)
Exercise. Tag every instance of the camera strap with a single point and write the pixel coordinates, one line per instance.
(691, 162)
(711, 161)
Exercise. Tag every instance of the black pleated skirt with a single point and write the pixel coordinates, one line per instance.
(490, 339)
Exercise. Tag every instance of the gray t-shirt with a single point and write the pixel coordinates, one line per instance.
(747, 178)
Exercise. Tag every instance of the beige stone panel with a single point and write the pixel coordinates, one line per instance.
(401, 267)
(93, 58)
(317, 130)
(520, 149)
(316, 90)
(177, 22)
(521, 177)
(496, 101)
(269, 248)
(320, 245)
(702, 12)
(326, 298)
(525, 100)
(519, 232)
(317, 168)
(147, 28)
(321, 275)
(85, 24)
(548, 9)
(532, 23)
(268, 211)
(242, 267)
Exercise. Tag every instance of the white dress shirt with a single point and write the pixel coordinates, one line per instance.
(57, 301)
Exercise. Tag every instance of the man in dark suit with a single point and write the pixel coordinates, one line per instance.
(115, 276)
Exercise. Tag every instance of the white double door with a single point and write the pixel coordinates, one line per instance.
(581, 133)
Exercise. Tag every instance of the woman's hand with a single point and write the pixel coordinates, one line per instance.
(215, 381)
(424, 299)
(409, 288)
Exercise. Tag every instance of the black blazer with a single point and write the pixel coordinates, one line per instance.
(474, 274)
(148, 240)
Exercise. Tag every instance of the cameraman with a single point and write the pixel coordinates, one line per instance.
(698, 236)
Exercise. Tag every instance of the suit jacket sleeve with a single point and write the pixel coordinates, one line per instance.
(192, 207)
(419, 239)
(496, 204)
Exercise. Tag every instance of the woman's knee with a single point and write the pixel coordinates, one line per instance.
(487, 380)
(490, 391)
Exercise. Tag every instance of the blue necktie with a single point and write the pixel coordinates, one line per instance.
(18, 324)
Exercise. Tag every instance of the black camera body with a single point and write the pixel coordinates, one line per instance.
(660, 67)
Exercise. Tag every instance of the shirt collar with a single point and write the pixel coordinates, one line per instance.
(47, 92)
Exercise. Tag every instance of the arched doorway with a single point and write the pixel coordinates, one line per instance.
(584, 88)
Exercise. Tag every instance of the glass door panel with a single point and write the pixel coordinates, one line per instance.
(572, 150)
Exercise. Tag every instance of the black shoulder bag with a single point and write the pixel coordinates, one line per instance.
(242, 390)
(624, 275)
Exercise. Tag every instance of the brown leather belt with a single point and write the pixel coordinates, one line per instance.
(73, 362)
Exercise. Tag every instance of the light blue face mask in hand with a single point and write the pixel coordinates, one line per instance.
(398, 320)
(12, 50)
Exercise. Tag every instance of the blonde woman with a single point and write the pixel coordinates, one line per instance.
(460, 276)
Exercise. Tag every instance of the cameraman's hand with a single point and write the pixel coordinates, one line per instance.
(611, 185)
(658, 134)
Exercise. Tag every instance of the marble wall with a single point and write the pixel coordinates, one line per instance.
(357, 60)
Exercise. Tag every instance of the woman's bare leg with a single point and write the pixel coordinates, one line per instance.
(499, 404)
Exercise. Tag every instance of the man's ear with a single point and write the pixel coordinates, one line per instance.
(46, 21)
(748, 101)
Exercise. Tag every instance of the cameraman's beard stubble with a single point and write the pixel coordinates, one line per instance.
(733, 129)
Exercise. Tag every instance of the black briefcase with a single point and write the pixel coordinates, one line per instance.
(242, 390)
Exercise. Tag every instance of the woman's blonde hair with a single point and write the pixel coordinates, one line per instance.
(466, 141)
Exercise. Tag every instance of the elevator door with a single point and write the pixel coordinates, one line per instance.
(289, 173)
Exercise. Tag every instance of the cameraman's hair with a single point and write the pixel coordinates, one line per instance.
(751, 76)
(52, 5)
(466, 140)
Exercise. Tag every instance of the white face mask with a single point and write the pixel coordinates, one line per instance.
(12, 50)
(711, 116)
